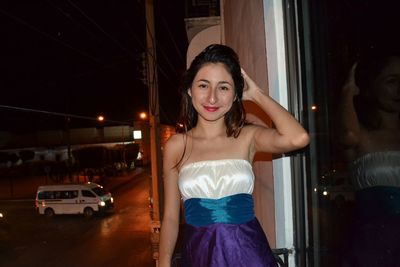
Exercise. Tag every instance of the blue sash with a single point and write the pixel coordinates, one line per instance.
(235, 209)
(378, 201)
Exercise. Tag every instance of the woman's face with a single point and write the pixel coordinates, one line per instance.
(212, 92)
(387, 87)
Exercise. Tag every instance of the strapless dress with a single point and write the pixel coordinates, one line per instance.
(221, 228)
(374, 239)
(376, 177)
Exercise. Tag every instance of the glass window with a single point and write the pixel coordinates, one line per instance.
(45, 195)
(99, 191)
(87, 193)
(69, 194)
(350, 61)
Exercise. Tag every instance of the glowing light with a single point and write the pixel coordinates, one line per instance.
(137, 134)
(314, 107)
(143, 115)
(100, 118)
(325, 193)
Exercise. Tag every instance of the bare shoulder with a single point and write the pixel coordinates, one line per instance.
(176, 142)
(174, 148)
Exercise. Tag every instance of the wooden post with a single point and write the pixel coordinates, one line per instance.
(154, 120)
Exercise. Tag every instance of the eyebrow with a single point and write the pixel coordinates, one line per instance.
(221, 82)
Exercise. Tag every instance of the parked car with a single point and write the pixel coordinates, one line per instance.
(85, 199)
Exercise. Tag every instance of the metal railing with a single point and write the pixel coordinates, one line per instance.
(281, 256)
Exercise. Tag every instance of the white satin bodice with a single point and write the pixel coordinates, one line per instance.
(216, 178)
(377, 169)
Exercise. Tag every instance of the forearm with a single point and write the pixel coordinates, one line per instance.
(349, 120)
(168, 237)
(285, 124)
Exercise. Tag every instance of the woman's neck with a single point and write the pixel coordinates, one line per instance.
(390, 120)
(209, 129)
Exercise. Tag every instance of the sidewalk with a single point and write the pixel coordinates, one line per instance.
(24, 188)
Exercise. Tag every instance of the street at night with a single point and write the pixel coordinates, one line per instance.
(120, 238)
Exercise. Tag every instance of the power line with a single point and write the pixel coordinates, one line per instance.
(66, 115)
(78, 24)
(101, 29)
(125, 49)
(23, 22)
(172, 38)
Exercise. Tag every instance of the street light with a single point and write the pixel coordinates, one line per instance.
(143, 115)
(137, 134)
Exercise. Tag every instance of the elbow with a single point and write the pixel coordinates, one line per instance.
(301, 140)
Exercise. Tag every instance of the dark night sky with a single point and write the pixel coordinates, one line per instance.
(84, 58)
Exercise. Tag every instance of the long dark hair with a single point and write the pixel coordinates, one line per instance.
(215, 53)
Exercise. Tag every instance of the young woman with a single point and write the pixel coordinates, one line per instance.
(371, 138)
(209, 165)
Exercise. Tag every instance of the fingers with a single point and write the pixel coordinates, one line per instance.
(250, 84)
(351, 76)
(353, 71)
(350, 83)
(246, 78)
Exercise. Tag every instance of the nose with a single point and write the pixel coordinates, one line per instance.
(212, 96)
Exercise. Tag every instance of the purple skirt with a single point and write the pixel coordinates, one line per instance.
(221, 244)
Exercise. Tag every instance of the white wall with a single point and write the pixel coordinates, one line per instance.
(278, 88)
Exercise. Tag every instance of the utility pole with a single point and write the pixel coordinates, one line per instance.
(69, 161)
(154, 120)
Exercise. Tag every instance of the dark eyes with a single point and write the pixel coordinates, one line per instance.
(222, 87)
(391, 80)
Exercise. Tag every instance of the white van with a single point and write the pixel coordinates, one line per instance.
(83, 199)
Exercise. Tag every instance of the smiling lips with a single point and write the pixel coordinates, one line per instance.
(210, 109)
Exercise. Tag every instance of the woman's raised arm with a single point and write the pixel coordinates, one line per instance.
(286, 135)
